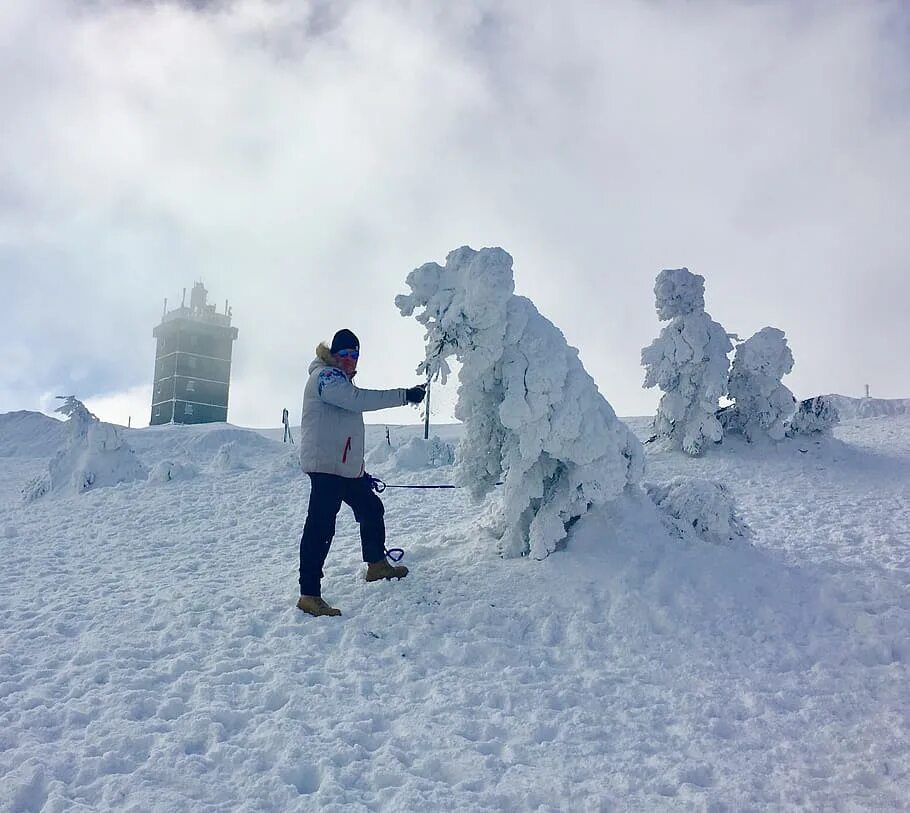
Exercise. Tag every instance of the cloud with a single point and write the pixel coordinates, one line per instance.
(128, 408)
(301, 158)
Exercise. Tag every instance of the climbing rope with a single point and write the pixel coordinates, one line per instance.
(379, 486)
(397, 554)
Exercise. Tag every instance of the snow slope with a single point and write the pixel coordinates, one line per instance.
(151, 658)
(30, 434)
(869, 407)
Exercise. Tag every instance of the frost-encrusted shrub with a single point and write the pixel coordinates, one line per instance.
(704, 507)
(763, 405)
(95, 455)
(167, 470)
(814, 416)
(688, 361)
(532, 414)
(36, 488)
(418, 453)
(229, 458)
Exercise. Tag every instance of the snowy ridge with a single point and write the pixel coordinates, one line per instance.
(869, 407)
(30, 434)
(151, 657)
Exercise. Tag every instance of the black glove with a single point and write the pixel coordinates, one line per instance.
(415, 395)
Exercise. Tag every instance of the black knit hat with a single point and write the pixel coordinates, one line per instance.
(344, 340)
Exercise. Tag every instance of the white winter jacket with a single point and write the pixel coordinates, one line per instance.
(331, 424)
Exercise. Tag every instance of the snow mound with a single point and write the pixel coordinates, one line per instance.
(286, 464)
(168, 470)
(229, 457)
(703, 506)
(418, 453)
(30, 434)
(212, 440)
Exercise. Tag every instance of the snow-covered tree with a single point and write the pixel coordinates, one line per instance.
(763, 405)
(95, 455)
(532, 414)
(80, 419)
(688, 361)
(817, 415)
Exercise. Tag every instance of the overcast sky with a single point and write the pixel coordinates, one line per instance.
(300, 158)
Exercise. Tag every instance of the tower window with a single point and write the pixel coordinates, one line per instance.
(187, 409)
(191, 386)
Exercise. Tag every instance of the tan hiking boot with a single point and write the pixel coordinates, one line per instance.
(383, 570)
(316, 605)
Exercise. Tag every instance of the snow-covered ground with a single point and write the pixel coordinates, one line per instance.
(152, 659)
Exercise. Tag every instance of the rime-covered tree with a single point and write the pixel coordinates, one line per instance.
(80, 419)
(532, 414)
(814, 416)
(763, 405)
(95, 455)
(688, 361)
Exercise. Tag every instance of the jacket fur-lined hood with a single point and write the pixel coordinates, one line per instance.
(324, 354)
(324, 357)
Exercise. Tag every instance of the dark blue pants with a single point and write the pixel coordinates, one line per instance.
(327, 492)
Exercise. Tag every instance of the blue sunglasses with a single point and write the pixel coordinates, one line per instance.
(348, 354)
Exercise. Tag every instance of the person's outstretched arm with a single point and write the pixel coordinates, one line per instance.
(336, 389)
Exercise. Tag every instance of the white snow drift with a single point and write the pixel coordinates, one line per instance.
(152, 658)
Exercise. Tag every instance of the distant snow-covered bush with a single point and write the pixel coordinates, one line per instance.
(167, 470)
(95, 455)
(688, 362)
(532, 414)
(36, 488)
(763, 405)
(704, 507)
(817, 415)
(229, 457)
(418, 453)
